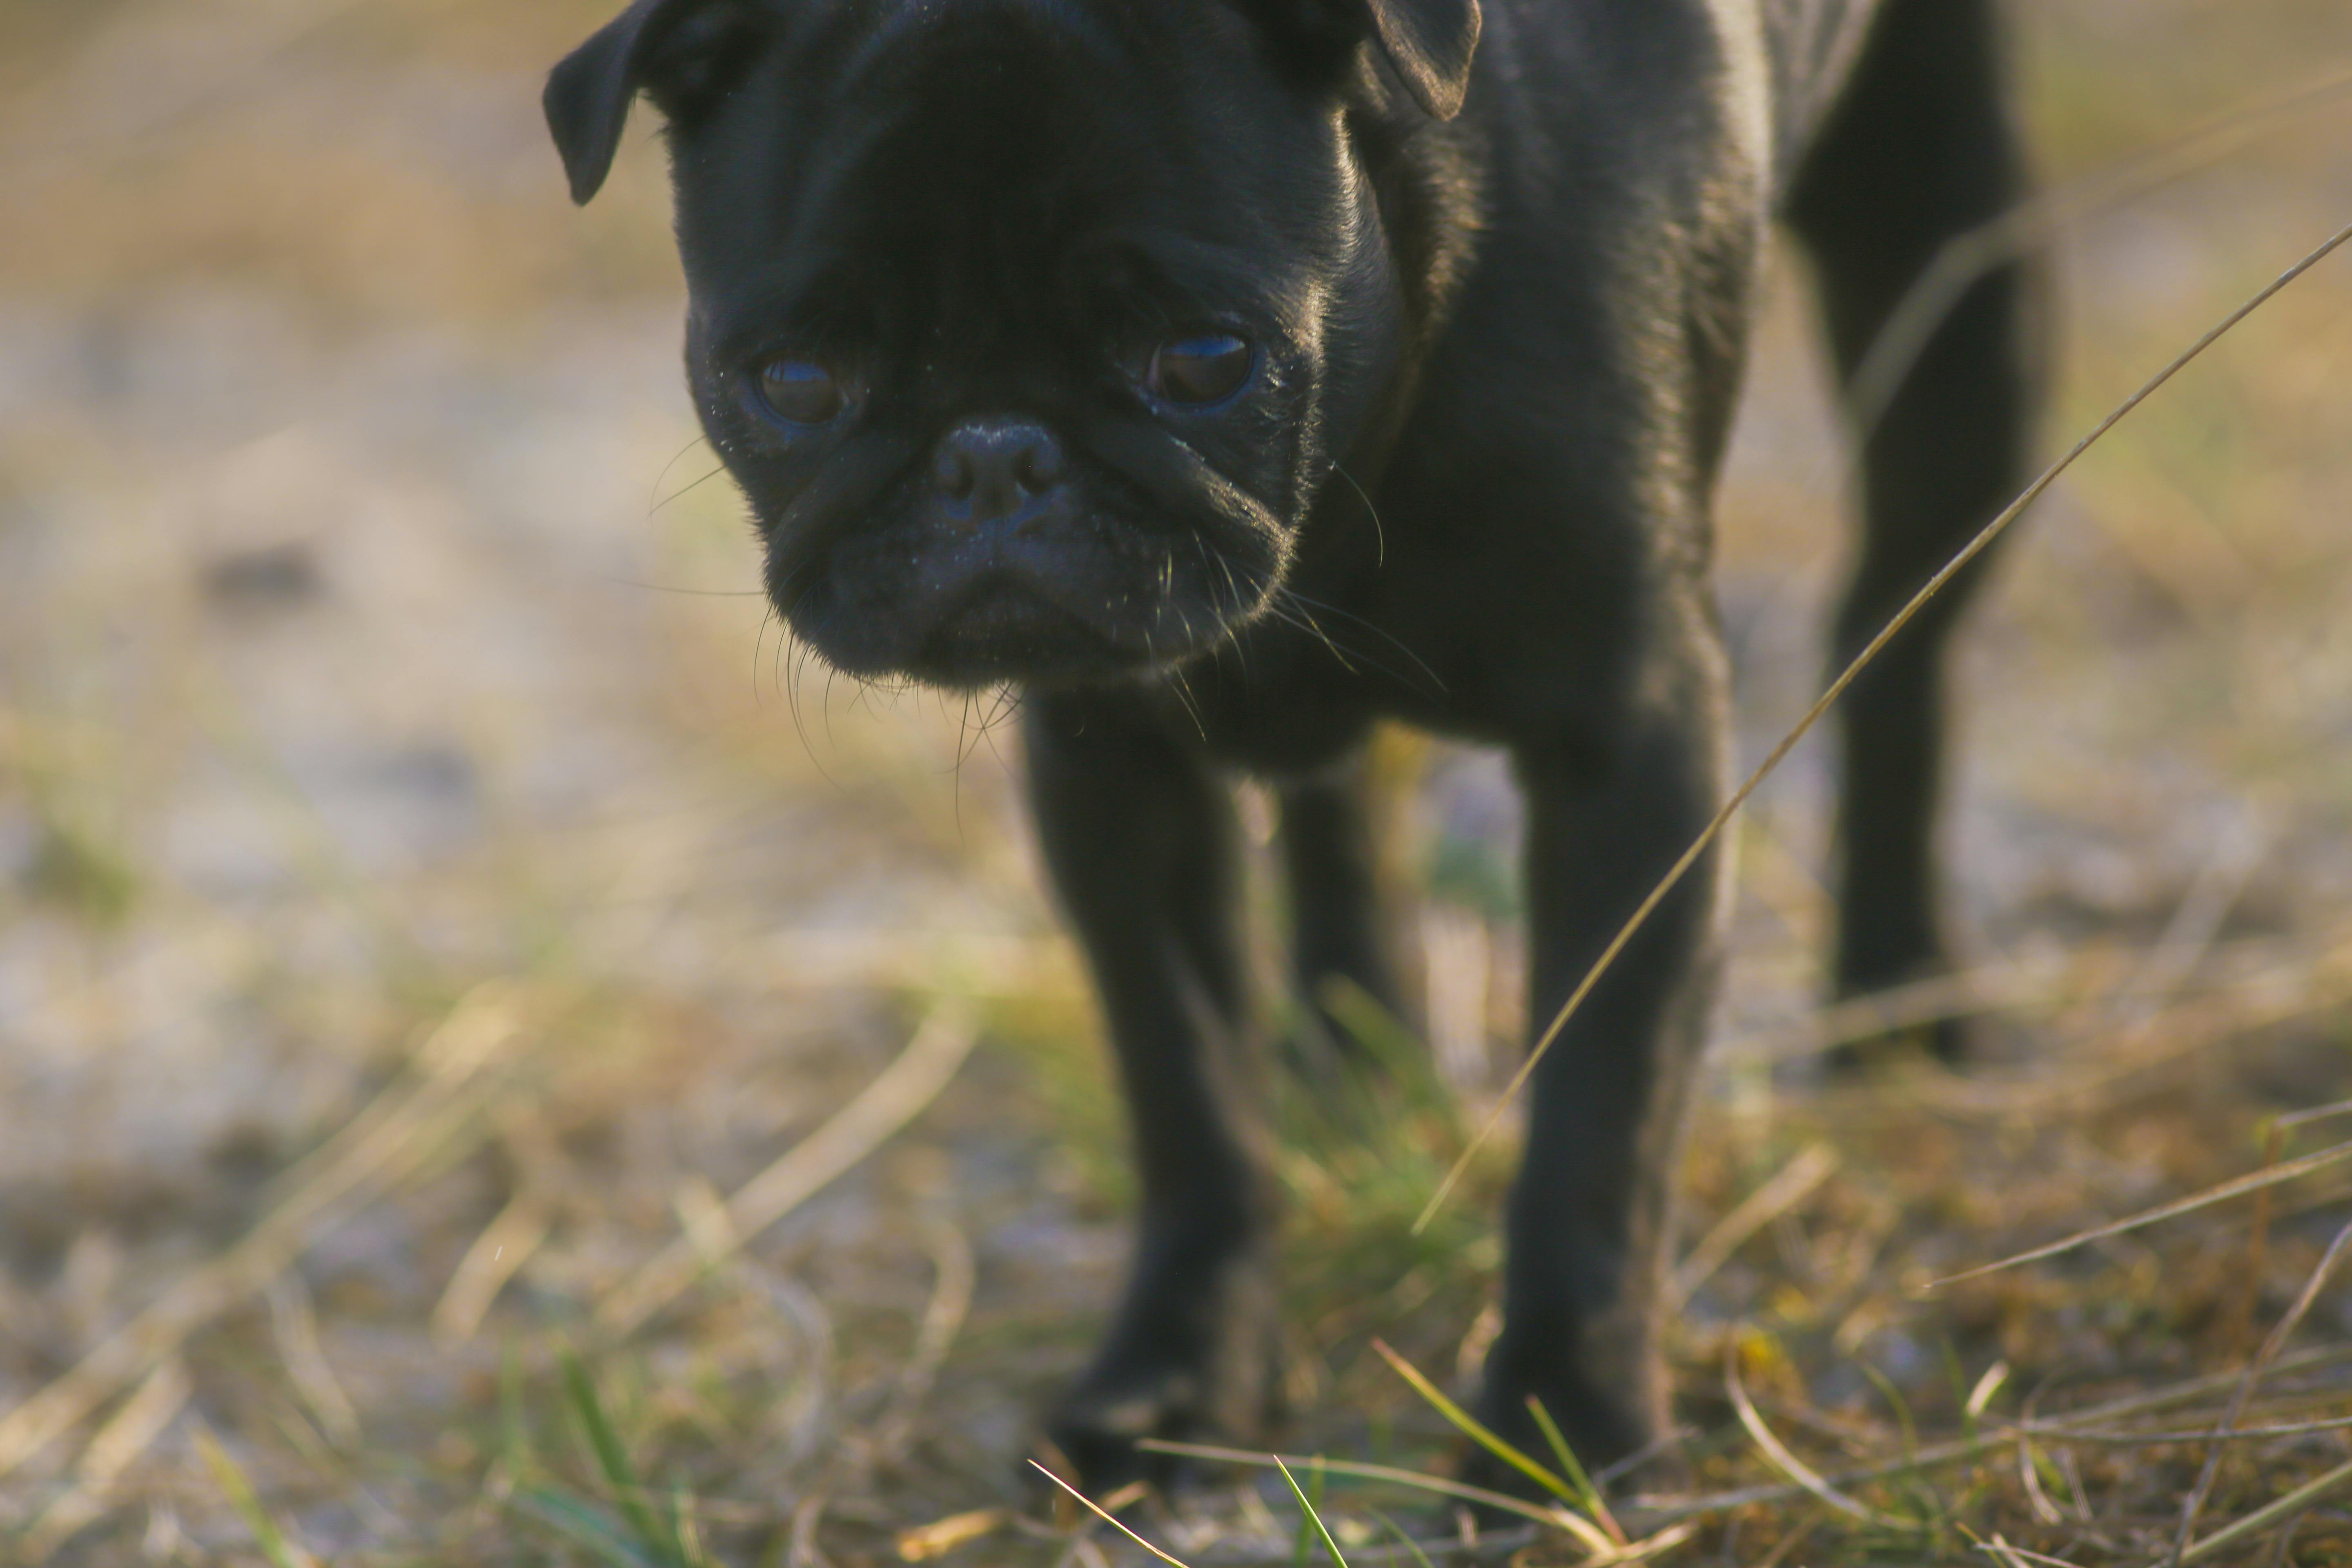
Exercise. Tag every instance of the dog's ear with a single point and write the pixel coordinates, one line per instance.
(677, 51)
(1430, 43)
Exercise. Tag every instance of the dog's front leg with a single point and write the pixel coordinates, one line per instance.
(1589, 1213)
(1138, 834)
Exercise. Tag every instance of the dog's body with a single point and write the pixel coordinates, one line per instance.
(1195, 364)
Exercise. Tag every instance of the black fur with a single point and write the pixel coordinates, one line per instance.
(1497, 279)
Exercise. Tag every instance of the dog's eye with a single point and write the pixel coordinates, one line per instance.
(1207, 368)
(800, 391)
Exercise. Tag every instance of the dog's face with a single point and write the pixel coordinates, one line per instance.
(1030, 327)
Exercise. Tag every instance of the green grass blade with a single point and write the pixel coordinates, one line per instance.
(514, 1430)
(1420, 1558)
(1570, 1468)
(1896, 1402)
(1955, 1375)
(1382, 1035)
(1387, 1475)
(232, 1481)
(584, 1526)
(1313, 1517)
(613, 1460)
(1303, 1540)
(1589, 1497)
(687, 1523)
(1472, 1429)
(2303, 1497)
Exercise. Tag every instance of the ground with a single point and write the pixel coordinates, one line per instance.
(430, 888)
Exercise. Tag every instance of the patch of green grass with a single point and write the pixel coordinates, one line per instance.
(1360, 1152)
(78, 867)
(623, 1525)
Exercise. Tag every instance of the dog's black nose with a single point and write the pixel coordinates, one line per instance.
(986, 469)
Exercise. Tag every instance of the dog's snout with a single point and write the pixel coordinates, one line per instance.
(987, 470)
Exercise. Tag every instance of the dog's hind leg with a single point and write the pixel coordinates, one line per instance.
(1919, 150)
(1138, 832)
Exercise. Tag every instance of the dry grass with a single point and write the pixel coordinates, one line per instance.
(450, 987)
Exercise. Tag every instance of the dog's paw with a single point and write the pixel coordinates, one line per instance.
(1599, 1432)
(1228, 1394)
(1947, 1042)
(1099, 1430)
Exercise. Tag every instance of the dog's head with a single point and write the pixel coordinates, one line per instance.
(1030, 327)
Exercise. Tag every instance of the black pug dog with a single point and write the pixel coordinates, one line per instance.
(1229, 375)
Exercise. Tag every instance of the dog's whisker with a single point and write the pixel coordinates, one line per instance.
(1379, 534)
(1302, 618)
(1381, 632)
(686, 489)
(758, 643)
(653, 489)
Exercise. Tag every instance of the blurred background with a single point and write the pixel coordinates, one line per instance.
(431, 886)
